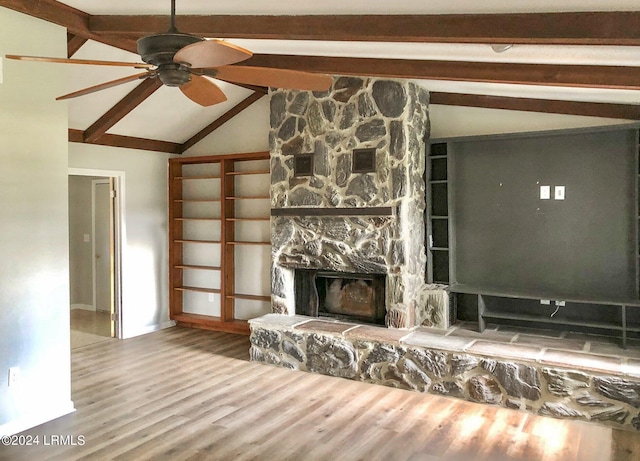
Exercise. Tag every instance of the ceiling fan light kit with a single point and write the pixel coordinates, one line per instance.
(182, 60)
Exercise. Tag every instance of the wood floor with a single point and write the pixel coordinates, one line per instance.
(182, 394)
(89, 327)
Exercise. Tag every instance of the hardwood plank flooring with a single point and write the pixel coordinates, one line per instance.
(182, 394)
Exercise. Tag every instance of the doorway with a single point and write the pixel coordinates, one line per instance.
(94, 254)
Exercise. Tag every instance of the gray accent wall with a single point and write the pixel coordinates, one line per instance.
(34, 273)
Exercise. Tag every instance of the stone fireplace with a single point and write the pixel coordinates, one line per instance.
(348, 252)
(337, 217)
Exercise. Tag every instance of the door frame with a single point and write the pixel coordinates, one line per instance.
(118, 179)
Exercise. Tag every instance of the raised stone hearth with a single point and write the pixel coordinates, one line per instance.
(541, 379)
(387, 235)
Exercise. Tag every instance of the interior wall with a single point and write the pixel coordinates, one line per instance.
(80, 252)
(145, 287)
(454, 121)
(34, 274)
(249, 131)
(246, 132)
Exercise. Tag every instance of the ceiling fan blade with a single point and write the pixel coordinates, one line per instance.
(103, 86)
(203, 91)
(211, 53)
(137, 65)
(275, 78)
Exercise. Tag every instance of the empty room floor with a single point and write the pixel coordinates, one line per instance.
(183, 394)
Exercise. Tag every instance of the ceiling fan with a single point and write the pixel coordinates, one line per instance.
(183, 60)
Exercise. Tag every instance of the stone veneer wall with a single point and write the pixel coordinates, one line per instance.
(433, 364)
(392, 117)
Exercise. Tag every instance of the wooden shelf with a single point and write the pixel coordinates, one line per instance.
(250, 297)
(196, 241)
(197, 219)
(222, 190)
(198, 289)
(439, 249)
(194, 267)
(240, 173)
(438, 181)
(248, 219)
(439, 217)
(186, 178)
(435, 157)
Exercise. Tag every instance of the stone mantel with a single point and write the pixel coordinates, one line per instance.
(340, 211)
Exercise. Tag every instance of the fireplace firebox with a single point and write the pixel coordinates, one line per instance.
(343, 296)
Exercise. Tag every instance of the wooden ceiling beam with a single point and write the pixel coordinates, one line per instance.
(567, 28)
(129, 142)
(253, 97)
(549, 106)
(141, 92)
(74, 43)
(75, 21)
(612, 77)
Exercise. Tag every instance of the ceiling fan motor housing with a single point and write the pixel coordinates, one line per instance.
(159, 49)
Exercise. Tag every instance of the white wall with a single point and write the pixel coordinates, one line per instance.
(34, 274)
(249, 131)
(453, 121)
(246, 132)
(145, 291)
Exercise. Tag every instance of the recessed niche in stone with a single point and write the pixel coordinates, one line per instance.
(364, 161)
(303, 165)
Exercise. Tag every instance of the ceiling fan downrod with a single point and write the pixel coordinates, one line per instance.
(159, 50)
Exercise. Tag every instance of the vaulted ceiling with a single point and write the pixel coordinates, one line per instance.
(564, 56)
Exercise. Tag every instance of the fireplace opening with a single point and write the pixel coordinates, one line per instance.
(343, 296)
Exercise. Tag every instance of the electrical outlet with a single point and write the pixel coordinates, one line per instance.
(210, 297)
(560, 303)
(545, 302)
(14, 373)
(545, 192)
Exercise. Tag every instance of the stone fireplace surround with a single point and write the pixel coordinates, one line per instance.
(342, 221)
(373, 223)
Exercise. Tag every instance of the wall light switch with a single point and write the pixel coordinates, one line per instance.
(559, 193)
(210, 297)
(86, 238)
(545, 192)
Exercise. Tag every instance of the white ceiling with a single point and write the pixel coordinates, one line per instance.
(154, 118)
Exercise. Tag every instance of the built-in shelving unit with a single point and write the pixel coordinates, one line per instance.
(513, 257)
(438, 214)
(219, 237)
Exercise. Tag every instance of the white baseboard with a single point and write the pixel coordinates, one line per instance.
(15, 427)
(84, 307)
(150, 329)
